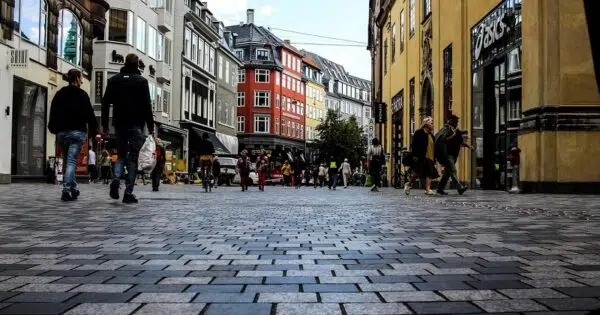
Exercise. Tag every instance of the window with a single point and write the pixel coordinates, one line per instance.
(241, 76)
(394, 43)
(284, 58)
(200, 52)
(514, 61)
(31, 20)
(220, 67)
(447, 69)
(118, 26)
(240, 54)
(385, 56)
(262, 54)
(167, 47)
(140, 33)
(276, 131)
(261, 124)
(226, 71)
(152, 89)
(298, 65)
(262, 76)
(402, 31)
(160, 43)
(166, 102)
(70, 35)
(152, 35)
(206, 57)
(194, 48)
(289, 82)
(277, 101)
(411, 100)
(241, 124)
(411, 18)
(211, 65)
(262, 99)
(426, 8)
(241, 99)
(277, 78)
(187, 45)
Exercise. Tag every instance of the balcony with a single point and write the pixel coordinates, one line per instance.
(164, 73)
(165, 20)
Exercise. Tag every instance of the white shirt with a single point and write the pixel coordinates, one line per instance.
(91, 158)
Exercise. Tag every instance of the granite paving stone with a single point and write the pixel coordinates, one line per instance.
(291, 252)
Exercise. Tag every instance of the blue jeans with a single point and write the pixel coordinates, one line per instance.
(333, 181)
(129, 143)
(70, 143)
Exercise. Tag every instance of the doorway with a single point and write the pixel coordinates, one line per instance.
(28, 152)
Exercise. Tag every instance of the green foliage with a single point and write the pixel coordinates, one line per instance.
(340, 138)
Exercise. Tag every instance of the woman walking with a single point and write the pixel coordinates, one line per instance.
(286, 170)
(71, 116)
(262, 166)
(376, 161)
(105, 162)
(243, 168)
(423, 151)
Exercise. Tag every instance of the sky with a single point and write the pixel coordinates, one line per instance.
(345, 19)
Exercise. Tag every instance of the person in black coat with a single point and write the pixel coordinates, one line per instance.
(71, 117)
(423, 150)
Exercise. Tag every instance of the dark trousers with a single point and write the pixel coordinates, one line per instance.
(105, 173)
(376, 179)
(156, 175)
(449, 173)
(93, 172)
(129, 143)
(287, 180)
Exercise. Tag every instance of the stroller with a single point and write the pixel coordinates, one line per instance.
(208, 180)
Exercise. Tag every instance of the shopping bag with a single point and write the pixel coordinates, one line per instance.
(147, 155)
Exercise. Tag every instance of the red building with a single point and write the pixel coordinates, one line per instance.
(271, 93)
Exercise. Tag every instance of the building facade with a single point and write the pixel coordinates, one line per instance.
(315, 101)
(43, 39)
(271, 92)
(146, 29)
(474, 60)
(227, 78)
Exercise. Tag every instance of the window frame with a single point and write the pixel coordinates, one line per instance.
(412, 18)
(141, 40)
(262, 72)
(79, 34)
(111, 27)
(241, 121)
(241, 98)
(262, 50)
(266, 120)
(266, 95)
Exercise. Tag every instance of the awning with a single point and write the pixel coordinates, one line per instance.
(230, 142)
(196, 141)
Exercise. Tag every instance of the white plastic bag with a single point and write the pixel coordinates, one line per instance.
(147, 155)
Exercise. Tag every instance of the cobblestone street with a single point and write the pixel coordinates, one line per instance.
(307, 251)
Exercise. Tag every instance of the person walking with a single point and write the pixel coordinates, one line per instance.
(346, 172)
(376, 162)
(448, 142)
(286, 170)
(105, 163)
(298, 169)
(92, 170)
(71, 116)
(262, 167)
(243, 168)
(322, 174)
(333, 173)
(216, 171)
(158, 171)
(423, 151)
(129, 94)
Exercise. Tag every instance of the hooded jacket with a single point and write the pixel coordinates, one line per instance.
(129, 94)
(70, 110)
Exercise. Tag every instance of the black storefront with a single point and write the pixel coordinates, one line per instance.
(496, 100)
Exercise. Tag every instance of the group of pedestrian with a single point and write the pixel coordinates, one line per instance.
(443, 148)
(72, 117)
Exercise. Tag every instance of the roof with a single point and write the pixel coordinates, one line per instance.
(309, 61)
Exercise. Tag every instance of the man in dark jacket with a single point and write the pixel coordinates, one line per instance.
(129, 94)
(71, 114)
(448, 142)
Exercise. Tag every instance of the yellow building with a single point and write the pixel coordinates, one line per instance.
(315, 97)
(514, 72)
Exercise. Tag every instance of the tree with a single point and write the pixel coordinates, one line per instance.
(340, 138)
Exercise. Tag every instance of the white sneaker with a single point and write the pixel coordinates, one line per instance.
(407, 189)
(430, 193)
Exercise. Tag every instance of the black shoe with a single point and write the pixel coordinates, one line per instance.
(75, 194)
(114, 190)
(154, 189)
(129, 198)
(462, 190)
(441, 192)
(66, 196)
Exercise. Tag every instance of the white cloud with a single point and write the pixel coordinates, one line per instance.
(229, 11)
(266, 10)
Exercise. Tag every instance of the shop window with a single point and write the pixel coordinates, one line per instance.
(70, 37)
(262, 76)
(118, 26)
(514, 61)
(262, 99)
(261, 124)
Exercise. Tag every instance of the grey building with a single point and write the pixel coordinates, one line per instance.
(227, 77)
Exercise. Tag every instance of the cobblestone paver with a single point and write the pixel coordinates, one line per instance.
(304, 251)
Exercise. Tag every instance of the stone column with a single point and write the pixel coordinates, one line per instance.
(560, 128)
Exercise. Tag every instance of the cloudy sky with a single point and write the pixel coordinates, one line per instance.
(345, 19)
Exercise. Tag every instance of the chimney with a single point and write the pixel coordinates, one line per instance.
(287, 41)
(250, 16)
(234, 39)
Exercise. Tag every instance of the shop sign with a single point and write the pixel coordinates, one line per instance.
(99, 87)
(490, 33)
(380, 112)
